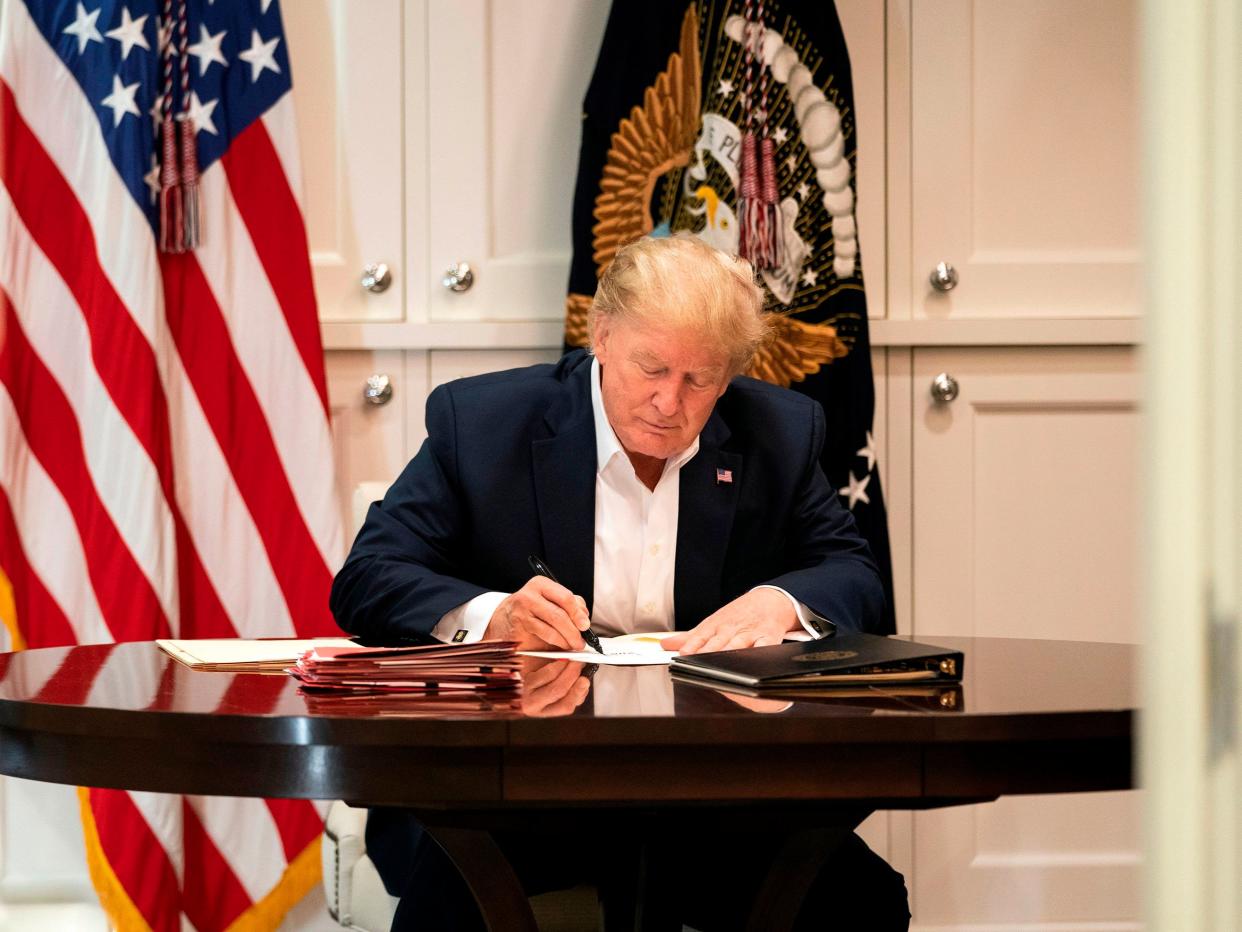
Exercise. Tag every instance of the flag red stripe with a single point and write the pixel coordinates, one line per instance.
(213, 896)
(202, 614)
(54, 217)
(271, 214)
(298, 822)
(123, 358)
(137, 858)
(126, 598)
(40, 619)
(237, 422)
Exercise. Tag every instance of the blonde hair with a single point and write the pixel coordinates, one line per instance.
(680, 281)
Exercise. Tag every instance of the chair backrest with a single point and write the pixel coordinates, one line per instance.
(364, 494)
(356, 896)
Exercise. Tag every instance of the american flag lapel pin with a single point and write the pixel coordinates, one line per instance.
(724, 476)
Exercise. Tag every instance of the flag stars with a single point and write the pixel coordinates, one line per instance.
(780, 134)
(726, 88)
(129, 33)
(804, 191)
(810, 277)
(868, 452)
(792, 163)
(200, 114)
(856, 491)
(207, 50)
(152, 178)
(84, 29)
(121, 100)
(260, 55)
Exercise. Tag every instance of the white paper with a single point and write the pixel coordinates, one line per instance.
(628, 650)
(239, 650)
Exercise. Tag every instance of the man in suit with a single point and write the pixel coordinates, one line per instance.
(665, 490)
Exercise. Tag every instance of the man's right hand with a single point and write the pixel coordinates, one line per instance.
(542, 614)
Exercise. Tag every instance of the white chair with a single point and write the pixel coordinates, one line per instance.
(351, 884)
(357, 899)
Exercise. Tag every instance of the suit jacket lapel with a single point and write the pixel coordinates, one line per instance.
(707, 501)
(564, 466)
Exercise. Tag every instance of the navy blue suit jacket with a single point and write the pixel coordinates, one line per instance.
(508, 469)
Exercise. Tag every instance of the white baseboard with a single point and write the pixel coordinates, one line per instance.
(64, 917)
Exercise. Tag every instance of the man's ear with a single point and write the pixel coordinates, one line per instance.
(599, 341)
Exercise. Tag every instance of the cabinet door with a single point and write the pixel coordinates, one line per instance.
(446, 365)
(1024, 131)
(369, 440)
(1025, 524)
(1026, 493)
(505, 88)
(348, 93)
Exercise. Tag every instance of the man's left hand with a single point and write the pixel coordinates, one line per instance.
(760, 617)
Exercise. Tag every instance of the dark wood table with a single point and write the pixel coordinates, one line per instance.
(1030, 717)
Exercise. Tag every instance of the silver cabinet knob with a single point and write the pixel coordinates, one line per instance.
(376, 278)
(378, 390)
(944, 388)
(459, 277)
(944, 277)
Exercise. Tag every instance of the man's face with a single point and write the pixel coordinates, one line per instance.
(659, 385)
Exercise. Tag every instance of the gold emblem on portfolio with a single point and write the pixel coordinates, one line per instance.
(819, 655)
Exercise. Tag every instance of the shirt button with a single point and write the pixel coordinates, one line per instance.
(655, 548)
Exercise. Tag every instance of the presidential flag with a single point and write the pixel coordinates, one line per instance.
(165, 459)
(733, 120)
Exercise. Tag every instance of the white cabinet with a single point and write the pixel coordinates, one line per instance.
(505, 88)
(373, 442)
(348, 87)
(1025, 525)
(370, 440)
(1025, 491)
(439, 132)
(1068, 862)
(1024, 134)
(446, 365)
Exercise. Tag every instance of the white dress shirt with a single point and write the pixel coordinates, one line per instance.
(635, 546)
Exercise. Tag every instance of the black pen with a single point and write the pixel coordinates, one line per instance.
(542, 569)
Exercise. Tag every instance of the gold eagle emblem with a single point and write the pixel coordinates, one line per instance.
(656, 138)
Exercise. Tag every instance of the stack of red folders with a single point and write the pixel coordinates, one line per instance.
(448, 677)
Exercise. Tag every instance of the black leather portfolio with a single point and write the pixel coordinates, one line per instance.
(844, 659)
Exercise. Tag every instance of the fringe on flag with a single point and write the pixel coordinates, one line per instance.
(180, 214)
(189, 184)
(759, 234)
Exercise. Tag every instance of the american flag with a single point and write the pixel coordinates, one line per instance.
(165, 457)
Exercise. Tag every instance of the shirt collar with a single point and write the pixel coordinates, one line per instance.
(606, 443)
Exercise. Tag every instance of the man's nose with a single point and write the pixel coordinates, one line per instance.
(667, 399)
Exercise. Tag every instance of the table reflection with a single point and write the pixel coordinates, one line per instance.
(1003, 677)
